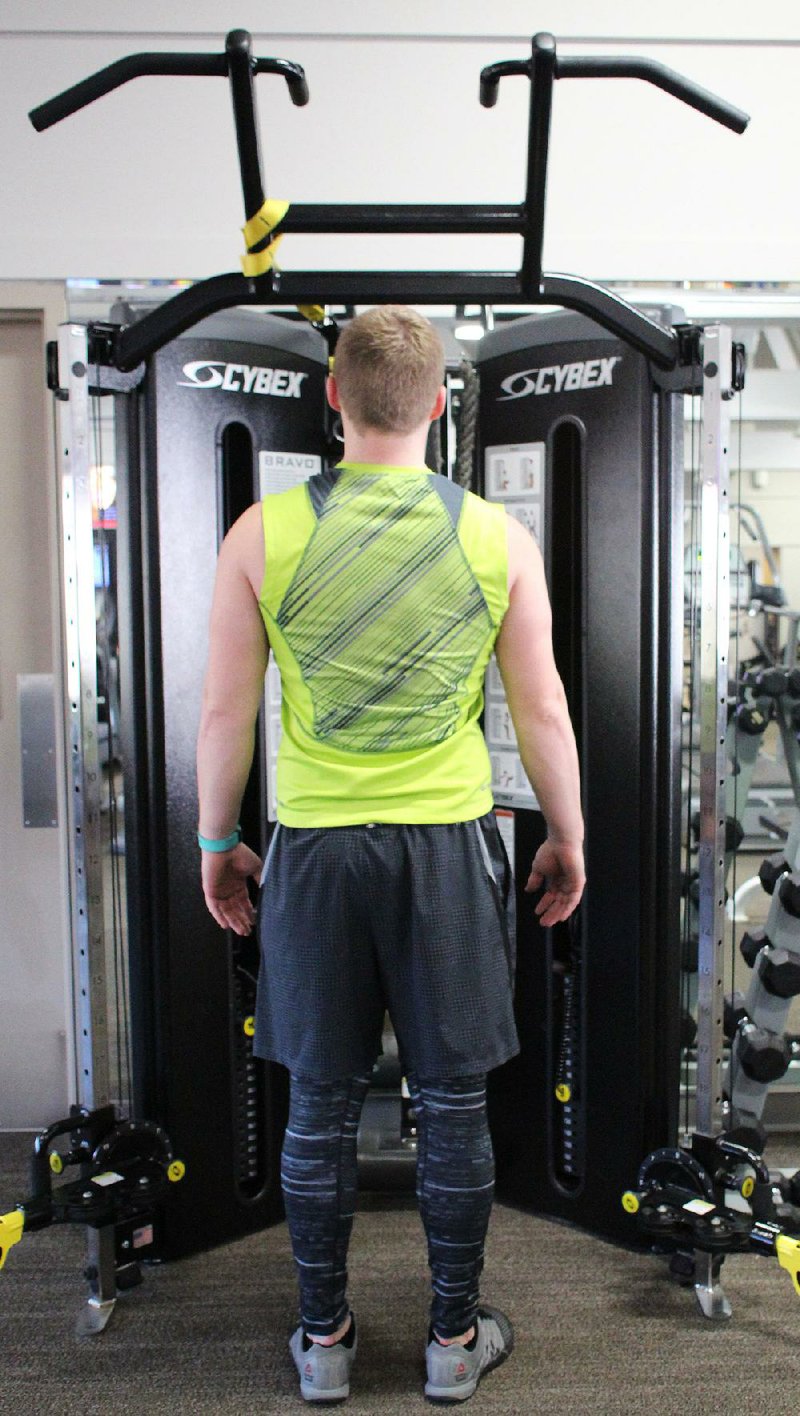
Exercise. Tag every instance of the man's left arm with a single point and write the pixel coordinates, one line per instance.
(234, 683)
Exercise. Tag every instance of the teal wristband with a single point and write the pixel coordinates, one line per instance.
(225, 843)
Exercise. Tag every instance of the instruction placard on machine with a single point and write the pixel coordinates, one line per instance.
(278, 472)
(514, 475)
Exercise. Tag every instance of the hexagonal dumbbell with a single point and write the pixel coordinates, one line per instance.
(768, 683)
(751, 944)
(733, 1012)
(750, 720)
(694, 884)
(789, 894)
(779, 972)
(771, 870)
(764, 1056)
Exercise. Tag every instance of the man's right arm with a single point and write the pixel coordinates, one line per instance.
(541, 720)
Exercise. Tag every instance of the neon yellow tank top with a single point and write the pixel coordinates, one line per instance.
(383, 594)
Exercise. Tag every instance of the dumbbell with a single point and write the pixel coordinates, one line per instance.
(771, 870)
(793, 1188)
(750, 720)
(767, 683)
(764, 1055)
(693, 887)
(751, 944)
(789, 894)
(779, 972)
(733, 1012)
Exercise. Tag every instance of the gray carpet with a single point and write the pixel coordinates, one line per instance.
(600, 1330)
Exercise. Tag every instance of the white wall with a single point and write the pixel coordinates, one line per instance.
(144, 182)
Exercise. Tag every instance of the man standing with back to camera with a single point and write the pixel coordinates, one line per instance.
(382, 590)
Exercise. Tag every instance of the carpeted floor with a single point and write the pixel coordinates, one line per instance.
(600, 1330)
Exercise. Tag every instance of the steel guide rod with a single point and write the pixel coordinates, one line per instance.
(714, 650)
(85, 777)
(89, 972)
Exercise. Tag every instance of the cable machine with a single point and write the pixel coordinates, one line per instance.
(132, 360)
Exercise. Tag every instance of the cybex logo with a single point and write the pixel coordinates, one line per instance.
(553, 378)
(242, 378)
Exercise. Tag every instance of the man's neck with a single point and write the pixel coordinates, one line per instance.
(385, 449)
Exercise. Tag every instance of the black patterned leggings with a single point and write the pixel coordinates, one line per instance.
(455, 1187)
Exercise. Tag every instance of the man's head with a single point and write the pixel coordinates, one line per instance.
(388, 370)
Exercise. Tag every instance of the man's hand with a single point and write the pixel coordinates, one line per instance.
(559, 867)
(225, 877)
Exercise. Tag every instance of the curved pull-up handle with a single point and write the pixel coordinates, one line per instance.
(135, 66)
(648, 69)
(667, 79)
(294, 75)
(493, 73)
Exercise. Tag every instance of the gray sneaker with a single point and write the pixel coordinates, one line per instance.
(324, 1371)
(454, 1371)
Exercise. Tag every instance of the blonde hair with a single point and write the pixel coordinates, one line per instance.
(389, 367)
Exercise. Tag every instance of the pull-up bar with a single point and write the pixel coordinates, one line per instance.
(529, 285)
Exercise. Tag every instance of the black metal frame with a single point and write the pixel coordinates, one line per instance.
(125, 348)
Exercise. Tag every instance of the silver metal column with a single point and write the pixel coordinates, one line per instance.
(714, 669)
(90, 991)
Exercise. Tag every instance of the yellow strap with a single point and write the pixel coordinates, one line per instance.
(257, 227)
(257, 262)
(314, 313)
(788, 1251)
(11, 1227)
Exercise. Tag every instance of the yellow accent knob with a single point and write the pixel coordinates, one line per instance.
(56, 1163)
(176, 1171)
(747, 1187)
(563, 1092)
(249, 1026)
(630, 1202)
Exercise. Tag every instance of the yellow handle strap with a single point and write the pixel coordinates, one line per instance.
(788, 1251)
(254, 263)
(264, 221)
(11, 1227)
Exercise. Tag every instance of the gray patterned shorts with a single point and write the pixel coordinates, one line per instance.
(418, 921)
